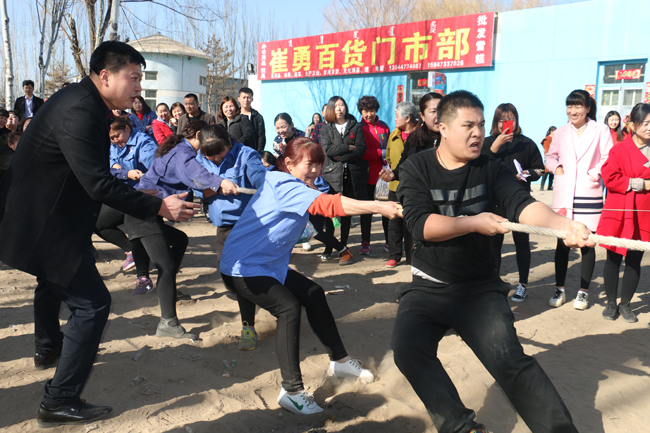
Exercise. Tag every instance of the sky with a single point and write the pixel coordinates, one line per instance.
(297, 17)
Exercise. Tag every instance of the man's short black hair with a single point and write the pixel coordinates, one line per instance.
(450, 104)
(4, 113)
(114, 56)
(246, 90)
(28, 83)
(192, 95)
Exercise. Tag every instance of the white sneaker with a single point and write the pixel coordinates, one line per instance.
(352, 368)
(307, 246)
(520, 293)
(558, 298)
(302, 403)
(581, 301)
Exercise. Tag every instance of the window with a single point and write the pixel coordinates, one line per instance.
(632, 97)
(203, 81)
(610, 97)
(150, 97)
(150, 76)
(610, 73)
(620, 94)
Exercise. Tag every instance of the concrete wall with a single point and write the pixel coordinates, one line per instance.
(177, 76)
(541, 55)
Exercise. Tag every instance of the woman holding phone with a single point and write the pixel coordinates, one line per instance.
(520, 153)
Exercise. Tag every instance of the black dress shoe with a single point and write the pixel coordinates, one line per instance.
(42, 362)
(69, 414)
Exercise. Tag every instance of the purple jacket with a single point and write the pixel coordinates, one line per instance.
(177, 172)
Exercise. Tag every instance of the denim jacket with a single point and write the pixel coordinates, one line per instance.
(242, 166)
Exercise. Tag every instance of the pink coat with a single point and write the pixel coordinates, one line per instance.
(581, 185)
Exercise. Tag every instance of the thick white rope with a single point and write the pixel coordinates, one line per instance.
(247, 191)
(597, 239)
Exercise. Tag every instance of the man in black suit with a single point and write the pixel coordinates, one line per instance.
(27, 106)
(49, 201)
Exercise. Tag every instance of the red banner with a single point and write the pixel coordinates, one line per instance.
(446, 43)
(628, 74)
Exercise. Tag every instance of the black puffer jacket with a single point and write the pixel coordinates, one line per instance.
(337, 145)
(259, 131)
(240, 129)
(524, 150)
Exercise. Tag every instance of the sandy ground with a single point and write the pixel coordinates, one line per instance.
(600, 368)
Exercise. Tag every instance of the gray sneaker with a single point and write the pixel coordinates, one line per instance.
(558, 299)
(173, 329)
(520, 293)
(626, 313)
(581, 302)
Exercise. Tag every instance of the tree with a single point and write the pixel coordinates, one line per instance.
(9, 66)
(98, 13)
(58, 74)
(343, 15)
(51, 12)
(221, 69)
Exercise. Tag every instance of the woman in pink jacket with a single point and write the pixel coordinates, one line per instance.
(577, 152)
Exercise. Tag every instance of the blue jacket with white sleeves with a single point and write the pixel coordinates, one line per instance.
(242, 166)
(137, 154)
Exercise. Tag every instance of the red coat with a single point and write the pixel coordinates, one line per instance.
(625, 162)
(161, 131)
(376, 137)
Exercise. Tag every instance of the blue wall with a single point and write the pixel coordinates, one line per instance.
(541, 56)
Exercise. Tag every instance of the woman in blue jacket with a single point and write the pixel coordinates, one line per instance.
(174, 171)
(131, 155)
(242, 165)
(142, 116)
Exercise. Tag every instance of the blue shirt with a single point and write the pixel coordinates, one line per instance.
(243, 167)
(138, 153)
(178, 171)
(260, 244)
(141, 125)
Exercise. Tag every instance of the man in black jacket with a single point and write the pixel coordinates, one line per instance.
(245, 99)
(194, 112)
(447, 194)
(27, 106)
(49, 201)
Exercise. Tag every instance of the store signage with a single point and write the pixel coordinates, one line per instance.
(400, 93)
(445, 43)
(628, 74)
(437, 82)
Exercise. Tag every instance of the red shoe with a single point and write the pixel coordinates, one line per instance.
(346, 257)
(391, 263)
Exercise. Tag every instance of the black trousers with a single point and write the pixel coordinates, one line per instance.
(285, 302)
(107, 228)
(422, 320)
(165, 246)
(366, 219)
(550, 177)
(398, 232)
(331, 243)
(89, 302)
(562, 264)
(522, 246)
(630, 276)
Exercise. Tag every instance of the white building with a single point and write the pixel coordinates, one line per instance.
(173, 70)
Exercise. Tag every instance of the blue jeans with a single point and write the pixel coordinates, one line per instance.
(481, 316)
